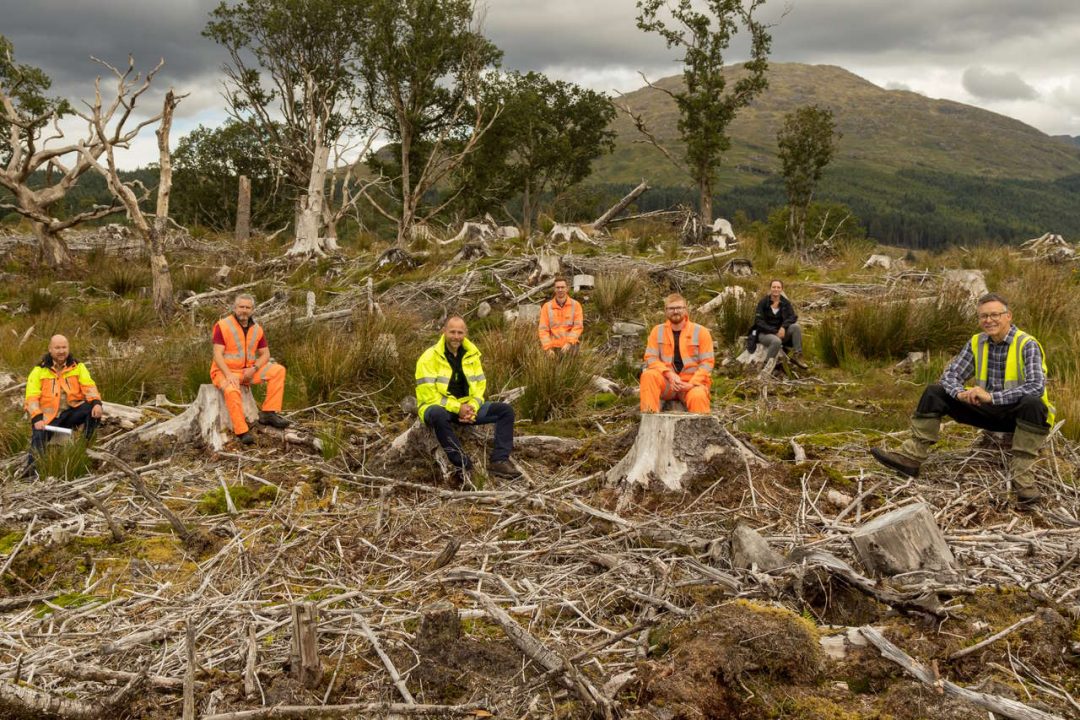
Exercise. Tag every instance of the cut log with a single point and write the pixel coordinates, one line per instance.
(583, 282)
(903, 541)
(627, 329)
(601, 222)
(971, 281)
(878, 261)
(736, 292)
(567, 233)
(750, 550)
(672, 451)
(304, 664)
(206, 420)
(125, 415)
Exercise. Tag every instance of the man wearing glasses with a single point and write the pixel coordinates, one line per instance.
(1008, 370)
(678, 361)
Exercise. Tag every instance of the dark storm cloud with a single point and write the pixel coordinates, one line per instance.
(990, 85)
(59, 36)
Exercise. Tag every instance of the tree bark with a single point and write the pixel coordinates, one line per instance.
(705, 191)
(243, 210)
(601, 222)
(310, 212)
(526, 210)
(164, 304)
(52, 250)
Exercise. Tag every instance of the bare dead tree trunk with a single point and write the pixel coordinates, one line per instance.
(310, 212)
(52, 250)
(408, 208)
(601, 222)
(243, 210)
(330, 221)
(159, 264)
(526, 210)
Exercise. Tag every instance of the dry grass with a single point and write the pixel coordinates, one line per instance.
(614, 295)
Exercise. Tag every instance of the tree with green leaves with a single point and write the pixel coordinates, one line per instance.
(422, 63)
(32, 147)
(545, 139)
(207, 163)
(292, 77)
(706, 104)
(807, 142)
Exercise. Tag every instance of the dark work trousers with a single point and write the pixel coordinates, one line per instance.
(1030, 412)
(70, 418)
(442, 422)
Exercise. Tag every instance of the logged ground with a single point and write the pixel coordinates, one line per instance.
(392, 555)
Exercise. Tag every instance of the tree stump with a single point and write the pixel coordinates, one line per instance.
(903, 541)
(674, 450)
(778, 365)
(304, 664)
(749, 549)
(206, 420)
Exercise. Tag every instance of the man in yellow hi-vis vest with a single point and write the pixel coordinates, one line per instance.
(1007, 368)
(450, 387)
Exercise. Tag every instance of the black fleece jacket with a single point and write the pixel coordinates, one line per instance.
(766, 322)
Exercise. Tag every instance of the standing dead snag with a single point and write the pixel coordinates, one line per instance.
(304, 663)
(677, 449)
(153, 233)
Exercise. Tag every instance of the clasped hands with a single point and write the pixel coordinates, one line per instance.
(245, 378)
(467, 414)
(975, 396)
(677, 383)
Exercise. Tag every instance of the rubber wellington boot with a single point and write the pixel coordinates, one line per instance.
(1025, 451)
(909, 457)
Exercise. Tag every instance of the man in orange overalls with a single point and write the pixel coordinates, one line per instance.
(678, 361)
(561, 321)
(242, 357)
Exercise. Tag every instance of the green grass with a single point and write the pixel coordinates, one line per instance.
(65, 461)
(558, 387)
(125, 318)
(213, 502)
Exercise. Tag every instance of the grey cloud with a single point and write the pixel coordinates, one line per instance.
(989, 85)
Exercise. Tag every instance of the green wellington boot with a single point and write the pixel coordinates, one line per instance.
(1025, 451)
(909, 457)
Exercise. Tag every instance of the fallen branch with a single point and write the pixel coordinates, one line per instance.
(386, 661)
(355, 710)
(177, 524)
(993, 638)
(995, 704)
(188, 302)
(28, 701)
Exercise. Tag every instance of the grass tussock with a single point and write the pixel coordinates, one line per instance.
(886, 330)
(65, 460)
(124, 319)
(733, 319)
(125, 279)
(504, 354)
(558, 387)
(377, 356)
(43, 302)
(192, 280)
(613, 296)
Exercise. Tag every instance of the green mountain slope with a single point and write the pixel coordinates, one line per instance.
(920, 171)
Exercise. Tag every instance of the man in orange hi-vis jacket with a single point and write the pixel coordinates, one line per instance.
(242, 357)
(678, 361)
(561, 320)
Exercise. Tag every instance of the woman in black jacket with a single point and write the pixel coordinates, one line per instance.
(776, 324)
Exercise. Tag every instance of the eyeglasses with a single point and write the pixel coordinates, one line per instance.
(992, 315)
(676, 307)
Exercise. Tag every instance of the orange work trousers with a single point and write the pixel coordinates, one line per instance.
(272, 374)
(656, 388)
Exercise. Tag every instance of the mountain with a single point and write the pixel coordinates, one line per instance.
(1069, 139)
(919, 171)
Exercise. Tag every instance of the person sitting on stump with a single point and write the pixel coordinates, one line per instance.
(776, 325)
(1008, 369)
(59, 393)
(678, 361)
(450, 388)
(241, 358)
(561, 321)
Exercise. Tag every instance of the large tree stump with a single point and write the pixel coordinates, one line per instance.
(206, 420)
(777, 365)
(674, 450)
(903, 541)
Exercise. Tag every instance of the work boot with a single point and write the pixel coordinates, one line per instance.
(247, 438)
(504, 469)
(797, 360)
(910, 456)
(1025, 451)
(29, 473)
(273, 420)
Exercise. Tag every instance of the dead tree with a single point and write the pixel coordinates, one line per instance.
(153, 229)
(37, 147)
(601, 222)
(243, 210)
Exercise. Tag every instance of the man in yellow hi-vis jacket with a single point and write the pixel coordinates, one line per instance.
(450, 388)
(1008, 369)
(59, 394)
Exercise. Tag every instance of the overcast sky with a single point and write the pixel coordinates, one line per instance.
(1016, 57)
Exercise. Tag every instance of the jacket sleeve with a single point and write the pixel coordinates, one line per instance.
(477, 388)
(759, 316)
(579, 322)
(958, 371)
(89, 387)
(702, 376)
(33, 396)
(543, 328)
(790, 318)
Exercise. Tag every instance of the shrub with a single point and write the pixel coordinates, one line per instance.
(125, 279)
(65, 460)
(734, 318)
(122, 319)
(557, 387)
(192, 279)
(504, 352)
(613, 295)
(14, 431)
(824, 221)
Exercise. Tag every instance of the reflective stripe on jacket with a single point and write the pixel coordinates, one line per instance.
(560, 325)
(1014, 365)
(695, 348)
(238, 353)
(43, 389)
(433, 378)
